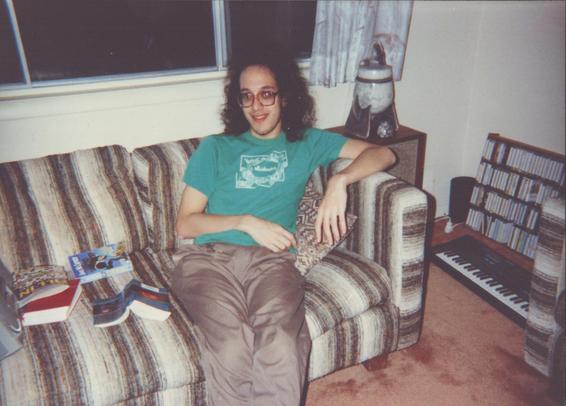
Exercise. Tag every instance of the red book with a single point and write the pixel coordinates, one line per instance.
(53, 308)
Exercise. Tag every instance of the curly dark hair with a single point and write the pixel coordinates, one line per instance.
(298, 111)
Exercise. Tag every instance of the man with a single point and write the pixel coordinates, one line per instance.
(237, 281)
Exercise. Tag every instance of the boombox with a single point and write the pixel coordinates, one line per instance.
(10, 325)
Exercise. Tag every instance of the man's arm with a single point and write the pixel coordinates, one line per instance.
(367, 159)
(192, 221)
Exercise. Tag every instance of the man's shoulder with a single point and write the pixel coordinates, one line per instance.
(213, 137)
(313, 134)
(218, 139)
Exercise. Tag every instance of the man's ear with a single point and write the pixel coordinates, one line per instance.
(283, 102)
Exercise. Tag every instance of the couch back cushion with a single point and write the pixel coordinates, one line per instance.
(55, 206)
(158, 171)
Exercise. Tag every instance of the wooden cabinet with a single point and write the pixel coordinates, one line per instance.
(409, 146)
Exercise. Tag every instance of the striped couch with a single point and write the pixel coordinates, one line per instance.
(545, 332)
(362, 301)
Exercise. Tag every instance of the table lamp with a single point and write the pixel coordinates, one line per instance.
(373, 112)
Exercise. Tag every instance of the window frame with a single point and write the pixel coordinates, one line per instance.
(124, 80)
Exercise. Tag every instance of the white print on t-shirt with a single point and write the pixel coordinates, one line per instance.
(261, 170)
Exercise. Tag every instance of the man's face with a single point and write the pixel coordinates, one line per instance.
(265, 121)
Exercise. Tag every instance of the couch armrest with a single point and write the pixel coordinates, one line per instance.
(547, 282)
(391, 230)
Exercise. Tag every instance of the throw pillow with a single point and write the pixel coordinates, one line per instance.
(309, 251)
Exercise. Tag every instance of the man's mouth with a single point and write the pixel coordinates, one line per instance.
(259, 118)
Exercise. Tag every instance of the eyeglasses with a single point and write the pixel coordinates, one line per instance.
(265, 97)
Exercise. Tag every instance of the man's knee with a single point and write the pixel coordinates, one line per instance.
(233, 354)
(277, 340)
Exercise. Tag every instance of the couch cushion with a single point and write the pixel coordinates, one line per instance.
(348, 311)
(369, 334)
(341, 286)
(158, 171)
(139, 361)
(54, 206)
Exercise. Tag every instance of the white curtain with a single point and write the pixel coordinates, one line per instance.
(345, 32)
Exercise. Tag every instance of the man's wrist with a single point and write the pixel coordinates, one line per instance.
(243, 222)
(339, 180)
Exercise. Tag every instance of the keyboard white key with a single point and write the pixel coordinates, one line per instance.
(506, 296)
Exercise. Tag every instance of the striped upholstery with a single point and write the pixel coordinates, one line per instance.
(159, 173)
(54, 206)
(348, 312)
(362, 300)
(136, 362)
(58, 205)
(344, 285)
(391, 230)
(547, 283)
(360, 338)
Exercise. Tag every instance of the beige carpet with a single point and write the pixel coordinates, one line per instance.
(468, 354)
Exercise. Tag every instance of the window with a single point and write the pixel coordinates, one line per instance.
(66, 39)
(70, 40)
(285, 21)
(10, 70)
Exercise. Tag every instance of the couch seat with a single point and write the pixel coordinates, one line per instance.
(137, 362)
(343, 285)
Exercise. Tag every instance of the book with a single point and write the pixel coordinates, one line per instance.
(37, 282)
(53, 308)
(99, 263)
(145, 301)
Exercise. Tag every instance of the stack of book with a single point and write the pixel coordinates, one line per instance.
(48, 293)
(45, 294)
(145, 301)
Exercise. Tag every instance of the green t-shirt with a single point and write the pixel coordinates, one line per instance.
(266, 178)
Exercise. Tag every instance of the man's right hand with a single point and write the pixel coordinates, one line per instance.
(267, 234)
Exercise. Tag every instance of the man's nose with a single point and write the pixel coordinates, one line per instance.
(256, 105)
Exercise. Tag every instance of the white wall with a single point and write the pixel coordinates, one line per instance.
(471, 68)
(478, 67)
(434, 94)
(37, 126)
(518, 81)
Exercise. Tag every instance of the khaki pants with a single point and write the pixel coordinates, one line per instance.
(248, 305)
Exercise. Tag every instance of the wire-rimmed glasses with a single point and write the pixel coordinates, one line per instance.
(265, 97)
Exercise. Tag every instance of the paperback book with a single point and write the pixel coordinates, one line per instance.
(145, 301)
(100, 263)
(52, 308)
(37, 282)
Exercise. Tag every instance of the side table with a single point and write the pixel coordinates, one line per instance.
(409, 145)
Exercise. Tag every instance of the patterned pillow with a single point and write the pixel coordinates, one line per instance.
(309, 251)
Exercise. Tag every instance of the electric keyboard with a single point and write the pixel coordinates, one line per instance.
(502, 283)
